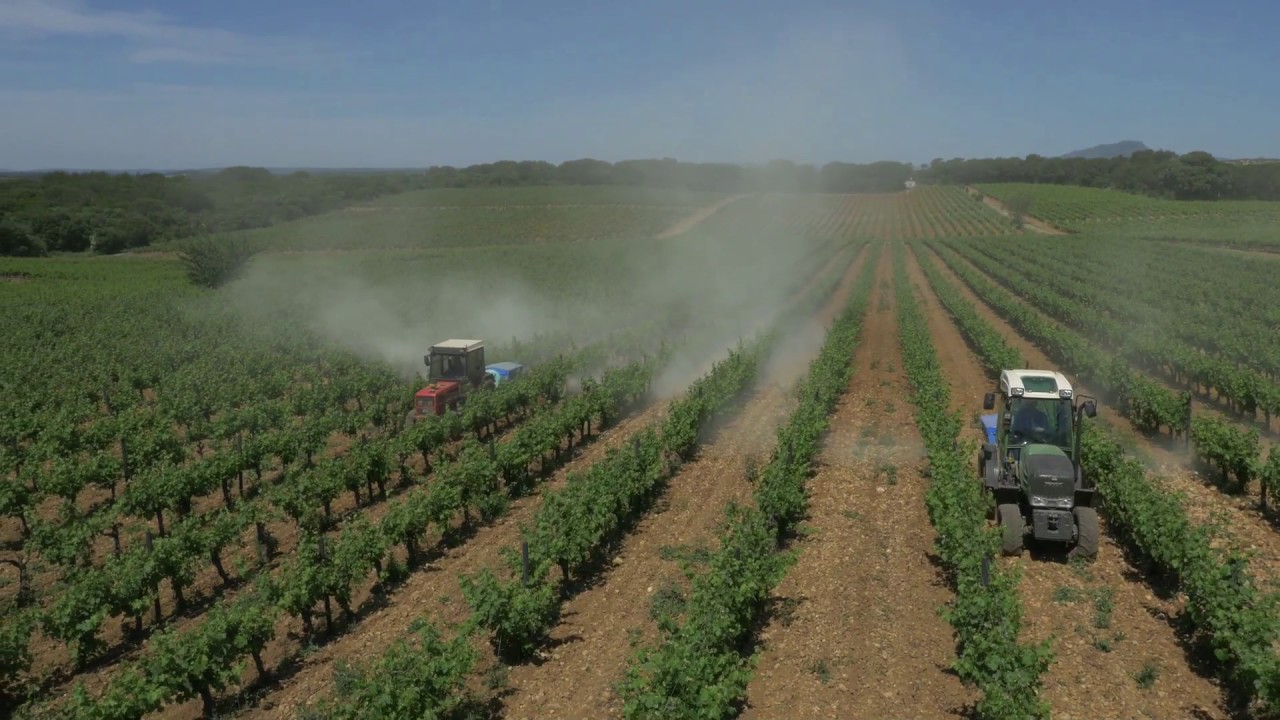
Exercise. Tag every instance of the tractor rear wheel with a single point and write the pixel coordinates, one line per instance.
(1010, 518)
(1087, 539)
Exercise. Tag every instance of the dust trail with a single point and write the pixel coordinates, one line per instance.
(688, 223)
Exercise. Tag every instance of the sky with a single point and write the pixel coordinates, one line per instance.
(131, 84)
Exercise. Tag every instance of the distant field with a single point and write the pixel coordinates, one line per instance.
(490, 216)
(436, 227)
(1243, 231)
(925, 212)
(547, 195)
(1233, 223)
(1073, 207)
(481, 217)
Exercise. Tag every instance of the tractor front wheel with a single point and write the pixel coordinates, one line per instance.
(1087, 539)
(1010, 518)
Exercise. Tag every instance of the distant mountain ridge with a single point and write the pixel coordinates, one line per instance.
(1124, 148)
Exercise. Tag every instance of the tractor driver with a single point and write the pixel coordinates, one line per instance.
(1029, 421)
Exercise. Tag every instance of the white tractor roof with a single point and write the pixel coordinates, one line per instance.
(460, 344)
(1035, 383)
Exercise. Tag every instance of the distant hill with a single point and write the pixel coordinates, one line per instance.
(1124, 148)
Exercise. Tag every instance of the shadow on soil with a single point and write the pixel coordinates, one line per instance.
(1196, 648)
(1198, 652)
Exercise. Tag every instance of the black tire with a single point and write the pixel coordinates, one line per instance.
(1087, 529)
(1010, 519)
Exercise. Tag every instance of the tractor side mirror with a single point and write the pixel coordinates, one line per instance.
(1091, 408)
(989, 401)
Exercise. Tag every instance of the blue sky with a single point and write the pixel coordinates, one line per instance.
(143, 84)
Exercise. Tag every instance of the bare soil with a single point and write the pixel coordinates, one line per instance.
(1106, 625)
(856, 631)
(1033, 223)
(432, 592)
(593, 643)
(688, 223)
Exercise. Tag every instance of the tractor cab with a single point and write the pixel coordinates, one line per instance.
(504, 371)
(1031, 409)
(1030, 461)
(459, 361)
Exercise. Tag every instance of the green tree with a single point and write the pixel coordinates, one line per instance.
(17, 239)
(215, 261)
(1019, 208)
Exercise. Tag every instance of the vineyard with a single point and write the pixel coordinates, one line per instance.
(738, 478)
(926, 212)
(1231, 223)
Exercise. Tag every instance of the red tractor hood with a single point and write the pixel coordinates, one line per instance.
(440, 387)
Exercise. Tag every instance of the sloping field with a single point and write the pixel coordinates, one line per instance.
(923, 212)
(1083, 209)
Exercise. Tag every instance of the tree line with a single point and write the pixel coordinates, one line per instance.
(1159, 173)
(778, 175)
(110, 212)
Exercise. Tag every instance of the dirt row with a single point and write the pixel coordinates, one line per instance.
(594, 642)
(432, 592)
(697, 217)
(1172, 461)
(1111, 635)
(855, 631)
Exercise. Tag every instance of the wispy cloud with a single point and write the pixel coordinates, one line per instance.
(149, 37)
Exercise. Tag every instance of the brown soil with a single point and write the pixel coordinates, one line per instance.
(592, 644)
(1063, 603)
(51, 659)
(858, 633)
(1033, 223)
(1168, 459)
(688, 223)
(432, 592)
(15, 277)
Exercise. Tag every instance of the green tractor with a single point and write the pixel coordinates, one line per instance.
(1030, 462)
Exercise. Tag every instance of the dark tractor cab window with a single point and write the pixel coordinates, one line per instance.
(446, 366)
(1034, 420)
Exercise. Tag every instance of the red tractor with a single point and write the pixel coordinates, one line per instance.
(454, 368)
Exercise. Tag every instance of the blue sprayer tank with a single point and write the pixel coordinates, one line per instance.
(989, 425)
